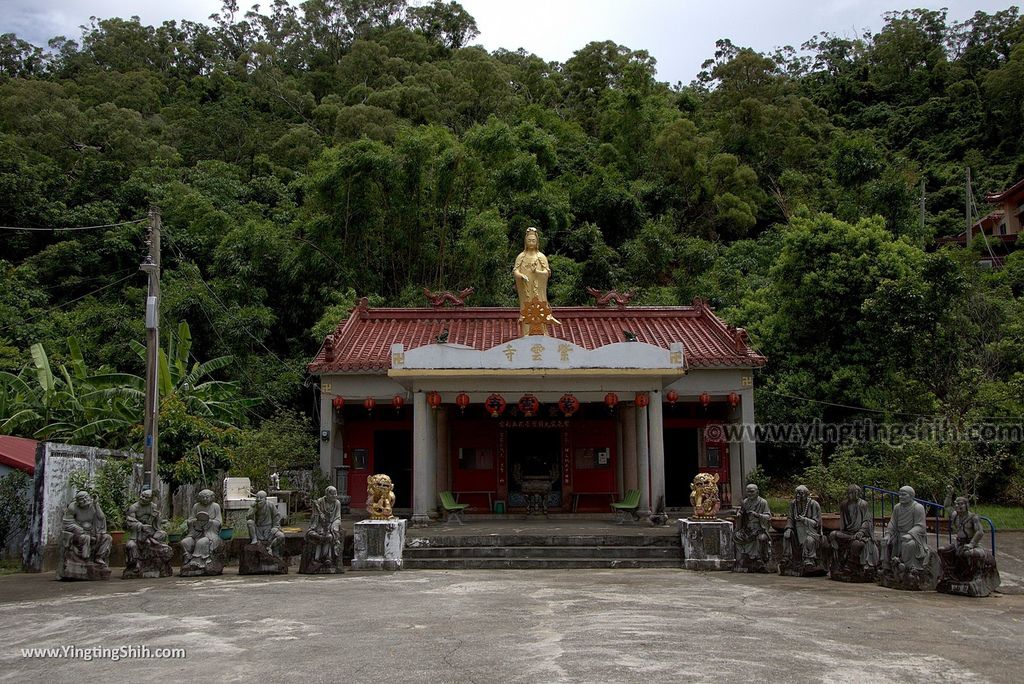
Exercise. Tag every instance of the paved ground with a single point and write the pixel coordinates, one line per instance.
(516, 626)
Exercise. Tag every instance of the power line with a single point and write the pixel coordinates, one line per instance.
(70, 301)
(63, 230)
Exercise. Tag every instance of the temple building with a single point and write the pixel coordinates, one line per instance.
(575, 406)
(482, 411)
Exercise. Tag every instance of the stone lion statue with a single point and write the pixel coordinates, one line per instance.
(704, 495)
(380, 497)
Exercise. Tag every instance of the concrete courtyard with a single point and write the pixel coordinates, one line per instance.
(516, 626)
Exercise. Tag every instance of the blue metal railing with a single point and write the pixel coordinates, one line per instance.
(936, 508)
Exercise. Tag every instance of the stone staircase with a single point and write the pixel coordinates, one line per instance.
(541, 551)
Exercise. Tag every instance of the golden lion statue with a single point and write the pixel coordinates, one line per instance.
(704, 495)
(380, 497)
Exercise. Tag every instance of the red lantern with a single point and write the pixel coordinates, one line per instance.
(398, 401)
(672, 397)
(734, 399)
(610, 400)
(642, 399)
(495, 404)
(529, 405)
(338, 403)
(705, 399)
(433, 399)
(369, 403)
(462, 401)
(569, 404)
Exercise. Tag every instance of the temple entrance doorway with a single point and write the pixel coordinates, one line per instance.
(392, 456)
(534, 467)
(681, 465)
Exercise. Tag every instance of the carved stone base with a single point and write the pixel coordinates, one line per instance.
(308, 565)
(841, 572)
(254, 560)
(199, 567)
(378, 544)
(707, 544)
(75, 570)
(795, 567)
(899, 576)
(969, 577)
(845, 564)
(758, 565)
(149, 568)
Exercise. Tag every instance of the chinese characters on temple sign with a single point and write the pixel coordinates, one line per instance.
(510, 351)
(563, 350)
(538, 352)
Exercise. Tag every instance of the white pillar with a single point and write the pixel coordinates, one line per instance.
(643, 462)
(657, 451)
(629, 465)
(424, 459)
(748, 447)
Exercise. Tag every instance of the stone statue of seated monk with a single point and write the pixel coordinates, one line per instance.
(85, 547)
(325, 540)
(907, 560)
(200, 548)
(854, 551)
(967, 568)
(802, 539)
(264, 554)
(147, 553)
(753, 533)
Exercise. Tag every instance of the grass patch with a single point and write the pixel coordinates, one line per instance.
(1004, 517)
(10, 566)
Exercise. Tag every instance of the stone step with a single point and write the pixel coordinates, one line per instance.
(603, 540)
(535, 563)
(596, 552)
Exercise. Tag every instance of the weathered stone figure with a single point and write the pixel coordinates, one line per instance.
(85, 547)
(967, 568)
(147, 553)
(264, 554)
(325, 540)
(907, 560)
(752, 537)
(200, 548)
(854, 552)
(802, 540)
(531, 274)
(380, 497)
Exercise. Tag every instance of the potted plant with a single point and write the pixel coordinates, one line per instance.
(226, 533)
(175, 529)
(113, 487)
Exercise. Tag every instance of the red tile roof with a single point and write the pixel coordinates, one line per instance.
(362, 342)
(1010, 194)
(18, 453)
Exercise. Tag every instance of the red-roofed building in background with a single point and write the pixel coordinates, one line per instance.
(615, 398)
(1003, 224)
(17, 453)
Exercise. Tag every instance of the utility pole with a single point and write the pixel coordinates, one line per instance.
(151, 266)
(922, 206)
(967, 207)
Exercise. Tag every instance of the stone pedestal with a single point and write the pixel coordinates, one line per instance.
(967, 574)
(707, 544)
(203, 567)
(378, 544)
(154, 561)
(255, 560)
(329, 563)
(75, 570)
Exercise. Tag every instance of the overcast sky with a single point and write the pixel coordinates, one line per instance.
(680, 34)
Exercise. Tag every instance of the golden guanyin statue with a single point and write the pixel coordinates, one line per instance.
(380, 497)
(531, 273)
(704, 496)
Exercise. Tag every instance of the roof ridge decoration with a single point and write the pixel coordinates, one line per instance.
(620, 299)
(439, 299)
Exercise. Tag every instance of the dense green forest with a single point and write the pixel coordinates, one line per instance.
(304, 156)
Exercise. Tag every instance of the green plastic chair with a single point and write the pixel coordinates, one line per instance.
(626, 508)
(451, 507)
